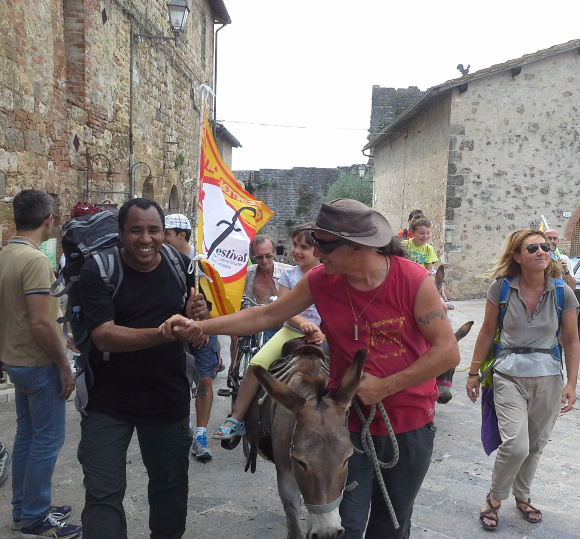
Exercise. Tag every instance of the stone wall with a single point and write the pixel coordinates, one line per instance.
(388, 103)
(486, 162)
(294, 195)
(75, 83)
(410, 173)
(514, 147)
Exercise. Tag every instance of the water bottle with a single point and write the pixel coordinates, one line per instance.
(77, 315)
(77, 325)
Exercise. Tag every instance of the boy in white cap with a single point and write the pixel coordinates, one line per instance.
(178, 234)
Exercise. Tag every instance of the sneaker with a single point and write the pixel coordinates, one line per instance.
(51, 527)
(60, 512)
(199, 448)
(4, 462)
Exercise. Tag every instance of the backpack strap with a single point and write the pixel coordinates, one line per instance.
(560, 296)
(111, 271)
(177, 267)
(504, 296)
(110, 268)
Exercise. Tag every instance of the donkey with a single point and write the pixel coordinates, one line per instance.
(445, 380)
(310, 442)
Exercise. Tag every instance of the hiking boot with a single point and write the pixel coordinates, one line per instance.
(199, 448)
(4, 462)
(51, 527)
(60, 512)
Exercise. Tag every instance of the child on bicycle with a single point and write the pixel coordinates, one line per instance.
(306, 324)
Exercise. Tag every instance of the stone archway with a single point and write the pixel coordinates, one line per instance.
(148, 191)
(174, 199)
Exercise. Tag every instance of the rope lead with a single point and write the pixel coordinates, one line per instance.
(369, 449)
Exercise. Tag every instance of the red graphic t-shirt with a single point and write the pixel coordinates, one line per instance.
(388, 329)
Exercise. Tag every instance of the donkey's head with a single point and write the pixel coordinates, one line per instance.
(321, 445)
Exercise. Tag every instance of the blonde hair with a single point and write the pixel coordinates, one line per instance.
(506, 266)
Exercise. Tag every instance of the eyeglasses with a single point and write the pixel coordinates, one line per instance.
(260, 257)
(328, 247)
(533, 247)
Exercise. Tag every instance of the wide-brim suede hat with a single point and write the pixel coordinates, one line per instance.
(355, 221)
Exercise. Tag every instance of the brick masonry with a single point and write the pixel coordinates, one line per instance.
(65, 91)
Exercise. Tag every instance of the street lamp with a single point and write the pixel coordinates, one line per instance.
(362, 171)
(178, 12)
(132, 175)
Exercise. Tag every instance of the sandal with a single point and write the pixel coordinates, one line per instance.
(528, 509)
(489, 514)
(236, 428)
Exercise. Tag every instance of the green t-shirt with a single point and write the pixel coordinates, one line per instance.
(422, 254)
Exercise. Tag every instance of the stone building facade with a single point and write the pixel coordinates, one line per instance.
(486, 154)
(91, 111)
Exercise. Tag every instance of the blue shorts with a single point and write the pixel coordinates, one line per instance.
(207, 358)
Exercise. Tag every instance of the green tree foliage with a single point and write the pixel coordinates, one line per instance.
(349, 185)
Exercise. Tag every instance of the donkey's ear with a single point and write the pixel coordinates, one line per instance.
(350, 380)
(279, 391)
(440, 277)
(463, 330)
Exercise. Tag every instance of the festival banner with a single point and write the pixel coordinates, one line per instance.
(229, 218)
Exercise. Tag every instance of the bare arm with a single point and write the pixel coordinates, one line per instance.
(248, 321)
(117, 339)
(46, 335)
(567, 275)
(571, 346)
(443, 353)
(484, 340)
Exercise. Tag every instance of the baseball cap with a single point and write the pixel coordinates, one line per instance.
(177, 220)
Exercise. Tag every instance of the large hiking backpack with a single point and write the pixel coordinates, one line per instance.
(80, 238)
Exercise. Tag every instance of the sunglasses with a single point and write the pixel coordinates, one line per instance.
(533, 247)
(327, 247)
(260, 257)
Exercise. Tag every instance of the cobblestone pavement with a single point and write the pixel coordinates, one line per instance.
(226, 502)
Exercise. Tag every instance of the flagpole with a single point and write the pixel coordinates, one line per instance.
(205, 90)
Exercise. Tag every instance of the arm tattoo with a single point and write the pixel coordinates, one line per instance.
(431, 315)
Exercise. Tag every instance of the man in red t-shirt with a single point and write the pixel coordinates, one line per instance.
(369, 296)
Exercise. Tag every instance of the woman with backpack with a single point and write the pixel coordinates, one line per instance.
(531, 309)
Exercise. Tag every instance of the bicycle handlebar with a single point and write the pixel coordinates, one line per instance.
(249, 302)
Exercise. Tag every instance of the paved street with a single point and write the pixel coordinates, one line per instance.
(226, 502)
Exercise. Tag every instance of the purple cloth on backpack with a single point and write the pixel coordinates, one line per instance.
(490, 437)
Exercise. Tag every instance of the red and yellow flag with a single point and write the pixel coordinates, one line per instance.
(229, 218)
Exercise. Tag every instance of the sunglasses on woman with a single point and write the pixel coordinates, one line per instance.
(259, 257)
(533, 247)
(327, 247)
